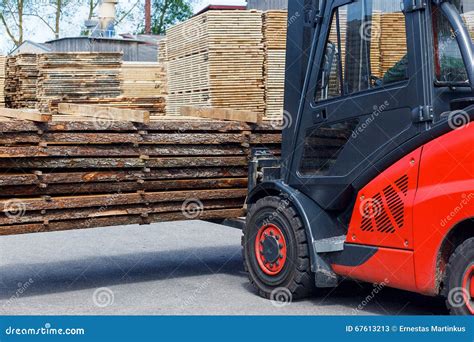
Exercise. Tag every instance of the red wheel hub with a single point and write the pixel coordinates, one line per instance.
(270, 249)
(468, 286)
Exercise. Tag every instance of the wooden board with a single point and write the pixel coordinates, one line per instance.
(30, 115)
(103, 112)
(222, 114)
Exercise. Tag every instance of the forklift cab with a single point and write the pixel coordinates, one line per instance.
(379, 73)
(369, 84)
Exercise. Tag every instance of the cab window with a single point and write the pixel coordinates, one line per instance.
(449, 64)
(366, 48)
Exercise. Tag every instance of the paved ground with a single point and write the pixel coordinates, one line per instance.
(171, 268)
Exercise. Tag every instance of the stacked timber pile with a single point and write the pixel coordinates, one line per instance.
(274, 39)
(375, 48)
(215, 60)
(26, 81)
(155, 105)
(3, 62)
(469, 19)
(74, 175)
(143, 79)
(393, 44)
(21, 82)
(78, 76)
(163, 60)
(10, 82)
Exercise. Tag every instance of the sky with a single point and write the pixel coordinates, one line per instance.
(72, 27)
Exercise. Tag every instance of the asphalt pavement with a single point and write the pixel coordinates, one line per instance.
(179, 268)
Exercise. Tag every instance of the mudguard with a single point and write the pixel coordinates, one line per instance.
(318, 224)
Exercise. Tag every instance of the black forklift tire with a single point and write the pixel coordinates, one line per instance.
(295, 279)
(459, 274)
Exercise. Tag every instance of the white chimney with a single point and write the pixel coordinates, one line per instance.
(107, 13)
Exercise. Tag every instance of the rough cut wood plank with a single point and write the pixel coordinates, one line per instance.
(120, 151)
(69, 202)
(120, 187)
(153, 208)
(120, 175)
(115, 221)
(22, 114)
(102, 112)
(121, 163)
(222, 114)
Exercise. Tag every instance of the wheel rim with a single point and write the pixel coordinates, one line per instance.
(270, 249)
(468, 286)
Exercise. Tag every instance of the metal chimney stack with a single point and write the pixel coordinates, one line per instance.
(107, 14)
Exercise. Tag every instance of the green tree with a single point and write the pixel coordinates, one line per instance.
(12, 17)
(53, 15)
(166, 13)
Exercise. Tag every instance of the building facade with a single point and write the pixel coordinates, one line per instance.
(264, 5)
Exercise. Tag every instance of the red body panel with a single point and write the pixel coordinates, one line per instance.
(383, 211)
(393, 267)
(438, 193)
(445, 197)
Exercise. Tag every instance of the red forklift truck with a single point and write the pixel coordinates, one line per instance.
(376, 178)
